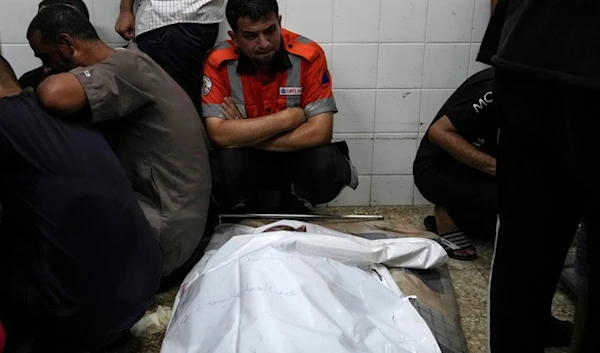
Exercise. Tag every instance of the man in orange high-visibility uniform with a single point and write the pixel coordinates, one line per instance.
(268, 107)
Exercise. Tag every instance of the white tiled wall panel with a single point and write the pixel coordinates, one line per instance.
(353, 20)
(398, 110)
(393, 154)
(403, 21)
(394, 64)
(392, 190)
(354, 65)
(431, 102)
(356, 110)
(446, 65)
(450, 21)
(400, 65)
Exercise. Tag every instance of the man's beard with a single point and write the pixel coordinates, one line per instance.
(66, 64)
(265, 61)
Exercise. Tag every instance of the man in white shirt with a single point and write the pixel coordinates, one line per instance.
(177, 34)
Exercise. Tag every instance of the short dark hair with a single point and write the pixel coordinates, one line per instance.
(58, 19)
(253, 9)
(7, 74)
(79, 5)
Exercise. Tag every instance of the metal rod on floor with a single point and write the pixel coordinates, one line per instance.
(302, 216)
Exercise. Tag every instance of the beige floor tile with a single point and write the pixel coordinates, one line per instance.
(461, 265)
(471, 290)
(486, 273)
(485, 250)
(475, 330)
(563, 305)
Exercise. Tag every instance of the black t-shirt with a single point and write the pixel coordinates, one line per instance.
(470, 109)
(555, 39)
(32, 78)
(72, 227)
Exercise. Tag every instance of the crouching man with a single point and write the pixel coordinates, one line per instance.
(79, 263)
(268, 107)
(147, 118)
(455, 167)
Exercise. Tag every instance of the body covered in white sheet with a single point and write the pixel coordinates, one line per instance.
(309, 290)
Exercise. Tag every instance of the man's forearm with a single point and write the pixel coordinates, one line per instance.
(239, 133)
(304, 137)
(463, 151)
(127, 5)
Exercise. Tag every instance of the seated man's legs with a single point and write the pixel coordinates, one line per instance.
(466, 202)
(236, 175)
(305, 178)
(317, 176)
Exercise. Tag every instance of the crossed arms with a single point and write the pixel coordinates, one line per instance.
(284, 131)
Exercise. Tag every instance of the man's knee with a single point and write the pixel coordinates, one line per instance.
(329, 164)
(231, 166)
(329, 170)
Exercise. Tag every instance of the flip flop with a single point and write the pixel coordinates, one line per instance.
(457, 241)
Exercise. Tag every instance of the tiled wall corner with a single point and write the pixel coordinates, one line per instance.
(394, 63)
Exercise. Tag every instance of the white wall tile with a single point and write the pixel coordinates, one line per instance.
(431, 103)
(354, 65)
(105, 16)
(394, 153)
(482, 18)
(359, 197)
(446, 65)
(356, 110)
(392, 190)
(20, 57)
(223, 31)
(320, 27)
(403, 21)
(361, 150)
(400, 65)
(283, 5)
(328, 49)
(15, 17)
(474, 65)
(355, 21)
(450, 20)
(398, 111)
(418, 199)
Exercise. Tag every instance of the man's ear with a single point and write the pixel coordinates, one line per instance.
(66, 44)
(233, 37)
(280, 17)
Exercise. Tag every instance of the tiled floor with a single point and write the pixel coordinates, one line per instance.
(470, 279)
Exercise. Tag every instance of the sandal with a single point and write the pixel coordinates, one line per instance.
(457, 241)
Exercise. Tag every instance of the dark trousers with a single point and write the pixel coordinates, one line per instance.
(180, 50)
(468, 195)
(548, 179)
(316, 175)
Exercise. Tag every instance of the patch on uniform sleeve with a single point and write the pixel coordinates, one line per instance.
(206, 85)
(325, 79)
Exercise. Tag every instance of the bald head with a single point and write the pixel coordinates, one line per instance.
(9, 86)
(7, 74)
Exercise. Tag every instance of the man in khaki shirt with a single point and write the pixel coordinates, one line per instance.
(148, 119)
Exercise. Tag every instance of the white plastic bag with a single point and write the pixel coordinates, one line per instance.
(319, 291)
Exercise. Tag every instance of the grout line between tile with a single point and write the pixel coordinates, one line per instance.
(472, 37)
(422, 78)
(375, 109)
